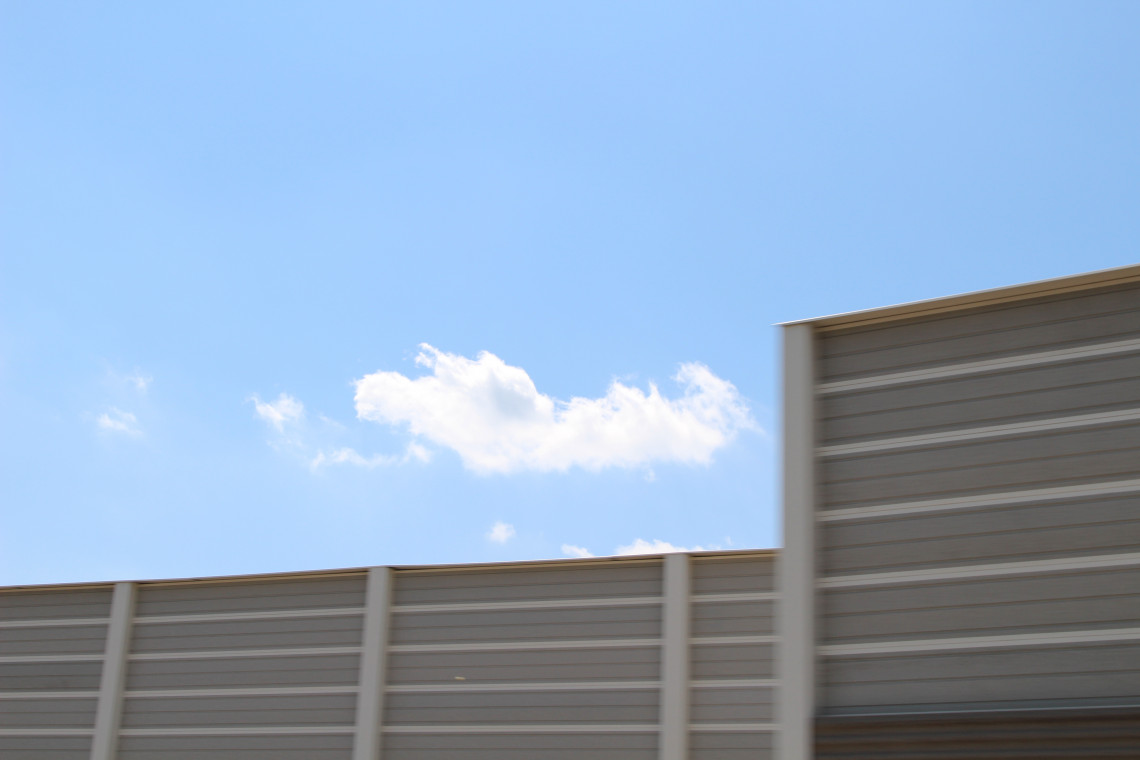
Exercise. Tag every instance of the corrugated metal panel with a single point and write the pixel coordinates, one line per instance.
(1015, 532)
(720, 660)
(1063, 675)
(51, 644)
(262, 710)
(528, 582)
(312, 592)
(50, 676)
(47, 604)
(45, 747)
(461, 707)
(1099, 384)
(297, 670)
(537, 661)
(740, 745)
(47, 713)
(272, 747)
(512, 653)
(639, 621)
(977, 735)
(732, 687)
(54, 639)
(1013, 592)
(1060, 601)
(732, 573)
(1066, 457)
(207, 657)
(1001, 331)
(516, 746)
(523, 666)
(182, 636)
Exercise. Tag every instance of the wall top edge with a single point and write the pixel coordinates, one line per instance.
(975, 299)
(350, 571)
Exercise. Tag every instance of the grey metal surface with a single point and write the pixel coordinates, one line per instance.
(528, 582)
(1053, 458)
(1062, 601)
(930, 620)
(1069, 675)
(251, 595)
(513, 746)
(261, 710)
(45, 747)
(1097, 384)
(1006, 330)
(50, 713)
(46, 604)
(1010, 533)
(542, 661)
(298, 670)
(281, 747)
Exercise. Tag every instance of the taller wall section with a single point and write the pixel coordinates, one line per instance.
(970, 520)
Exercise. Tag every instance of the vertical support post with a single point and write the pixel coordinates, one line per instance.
(105, 742)
(673, 742)
(796, 658)
(372, 679)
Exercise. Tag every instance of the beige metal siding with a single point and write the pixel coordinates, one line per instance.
(273, 747)
(270, 664)
(501, 662)
(51, 651)
(979, 521)
(513, 745)
(1011, 329)
(45, 747)
(543, 661)
(732, 689)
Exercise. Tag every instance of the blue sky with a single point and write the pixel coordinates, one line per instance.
(294, 285)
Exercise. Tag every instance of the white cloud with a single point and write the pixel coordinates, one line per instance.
(656, 546)
(316, 441)
(140, 381)
(117, 421)
(501, 532)
(641, 546)
(413, 452)
(284, 410)
(492, 415)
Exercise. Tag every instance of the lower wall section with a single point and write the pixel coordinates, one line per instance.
(632, 658)
(1024, 734)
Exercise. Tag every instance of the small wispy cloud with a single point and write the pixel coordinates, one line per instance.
(140, 381)
(314, 441)
(495, 418)
(115, 420)
(285, 410)
(412, 453)
(500, 533)
(641, 546)
(656, 546)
